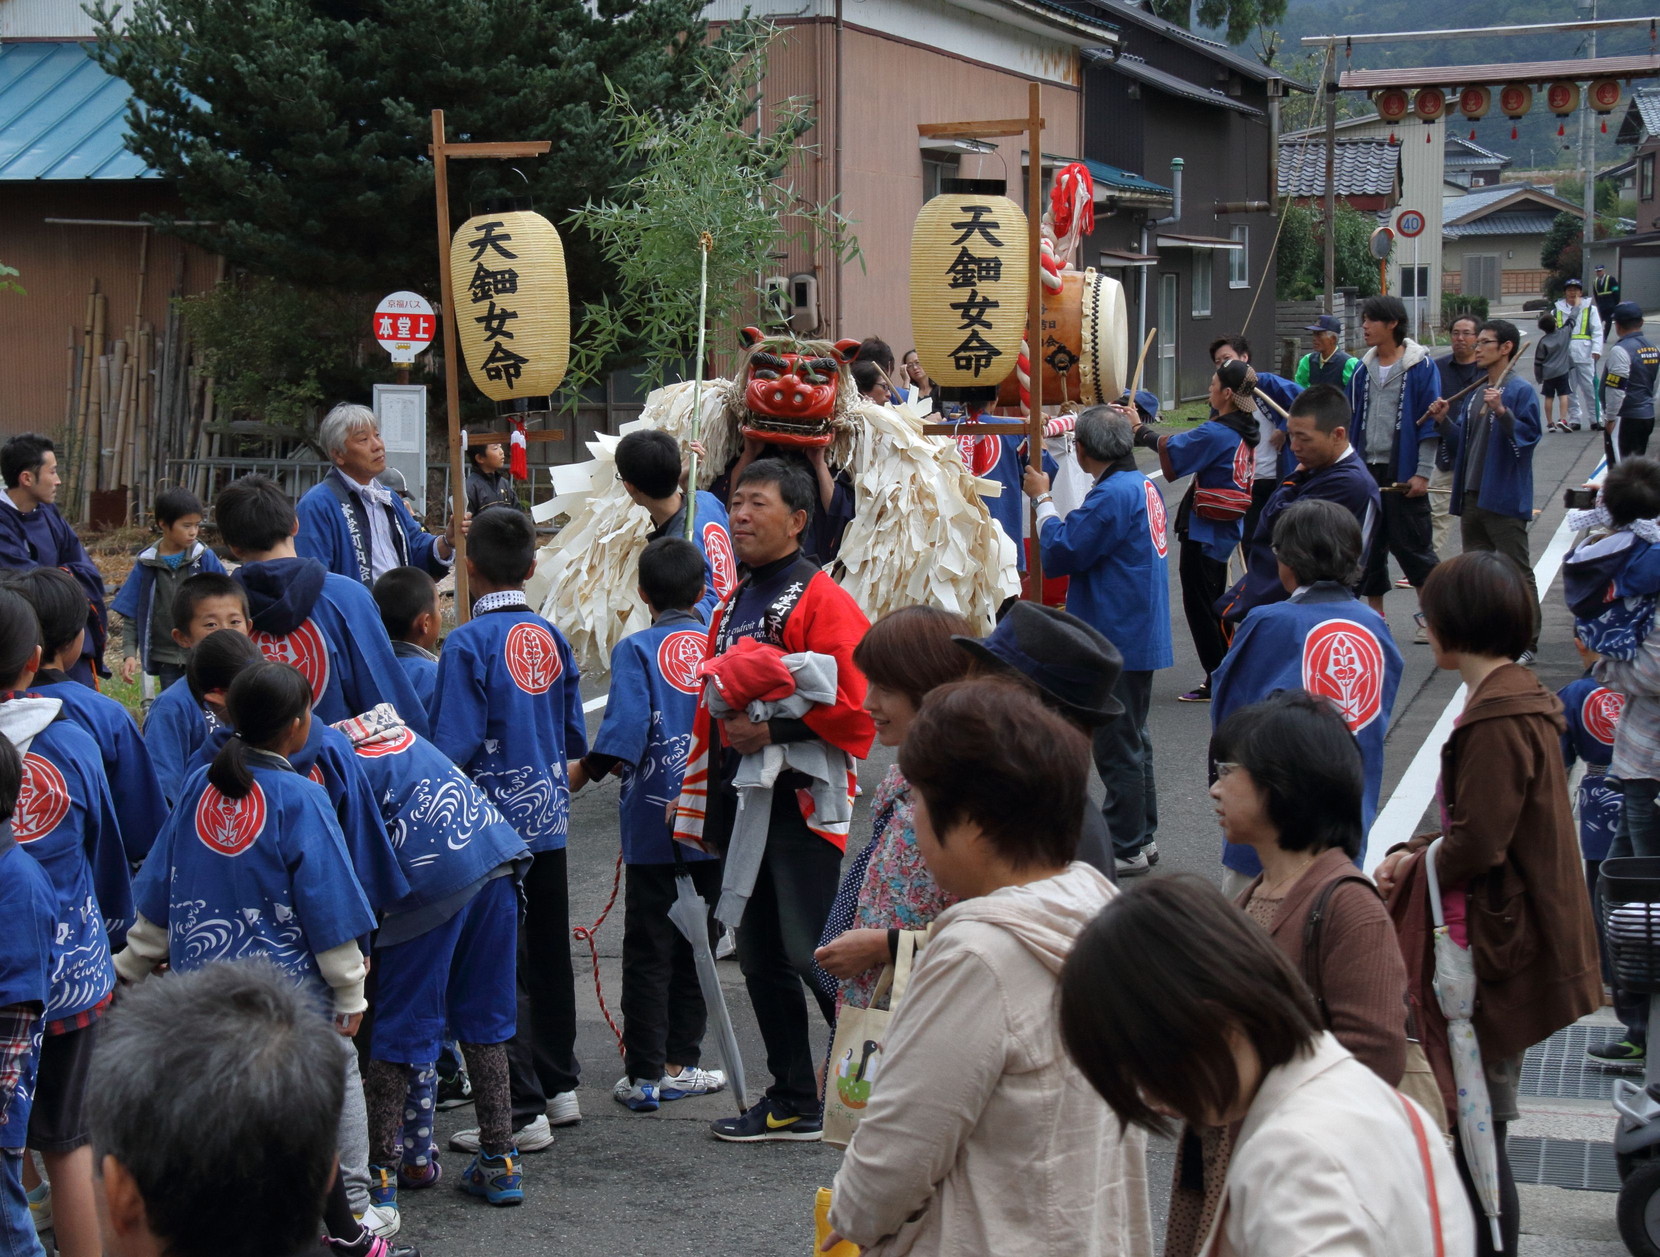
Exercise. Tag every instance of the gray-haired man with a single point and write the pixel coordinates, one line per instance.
(352, 522)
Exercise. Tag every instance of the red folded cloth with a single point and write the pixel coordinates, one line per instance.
(750, 671)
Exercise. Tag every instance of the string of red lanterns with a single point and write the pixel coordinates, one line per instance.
(1562, 97)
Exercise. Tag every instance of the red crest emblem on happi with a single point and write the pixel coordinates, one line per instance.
(43, 801)
(717, 547)
(315, 774)
(1600, 713)
(1156, 520)
(1244, 466)
(980, 453)
(1343, 661)
(532, 658)
(230, 826)
(403, 740)
(304, 648)
(678, 657)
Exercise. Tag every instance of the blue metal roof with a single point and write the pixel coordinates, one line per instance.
(1121, 180)
(61, 116)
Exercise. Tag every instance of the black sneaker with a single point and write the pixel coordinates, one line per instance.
(767, 1120)
(456, 1091)
(1623, 1051)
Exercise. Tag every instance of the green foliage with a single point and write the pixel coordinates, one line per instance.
(1457, 304)
(1301, 256)
(277, 352)
(8, 283)
(1561, 253)
(1238, 17)
(710, 168)
(299, 129)
(1572, 190)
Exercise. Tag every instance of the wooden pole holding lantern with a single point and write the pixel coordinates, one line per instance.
(442, 151)
(1031, 127)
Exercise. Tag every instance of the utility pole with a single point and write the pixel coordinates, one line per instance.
(1588, 153)
(1330, 74)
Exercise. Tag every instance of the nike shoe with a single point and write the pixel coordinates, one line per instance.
(1621, 1051)
(768, 1121)
(456, 1091)
(690, 1081)
(639, 1095)
(497, 1179)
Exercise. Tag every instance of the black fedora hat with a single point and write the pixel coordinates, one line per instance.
(1074, 665)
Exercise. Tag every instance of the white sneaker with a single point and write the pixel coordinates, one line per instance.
(727, 945)
(533, 1138)
(639, 1095)
(382, 1221)
(690, 1081)
(562, 1111)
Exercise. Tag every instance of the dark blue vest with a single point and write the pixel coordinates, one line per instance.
(1639, 385)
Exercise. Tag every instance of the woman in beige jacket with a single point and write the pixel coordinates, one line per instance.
(981, 1137)
(1175, 1005)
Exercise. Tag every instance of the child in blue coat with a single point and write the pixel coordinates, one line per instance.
(325, 625)
(408, 602)
(508, 712)
(1321, 639)
(325, 758)
(60, 606)
(29, 909)
(443, 955)
(648, 464)
(178, 721)
(252, 863)
(644, 737)
(145, 602)
(1592, 711)
(65, 820)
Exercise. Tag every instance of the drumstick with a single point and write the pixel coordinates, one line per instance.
(1236, 375)
(1515, 357)
(1135, 380)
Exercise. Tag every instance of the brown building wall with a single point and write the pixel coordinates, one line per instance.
(59, 265)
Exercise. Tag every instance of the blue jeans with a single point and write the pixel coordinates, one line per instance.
(1638, 834)
(17, 1228)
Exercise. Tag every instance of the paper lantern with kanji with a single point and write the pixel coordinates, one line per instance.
(512, 307)
(1562, 97)
(1392, 104)
(1474, 102)
(1515, 99)
(968, 284)
(1605, 95)
(1430, 103)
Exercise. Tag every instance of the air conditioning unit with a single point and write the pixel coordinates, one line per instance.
(775, 302)
(803, 302)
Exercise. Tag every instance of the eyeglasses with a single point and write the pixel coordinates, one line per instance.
(1487, 340)
(1224, 769)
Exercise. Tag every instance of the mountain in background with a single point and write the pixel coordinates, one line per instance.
(1536, 144)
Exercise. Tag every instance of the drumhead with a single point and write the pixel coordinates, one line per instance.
(1104, 328)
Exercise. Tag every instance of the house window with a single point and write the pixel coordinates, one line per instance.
(1645, 177)
(1239, 260)
(1202, 268)
(934, 171)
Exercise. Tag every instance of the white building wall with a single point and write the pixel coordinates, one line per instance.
(1423, 150)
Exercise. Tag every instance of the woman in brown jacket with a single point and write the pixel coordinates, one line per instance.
(1288, 783)
(1509, 867)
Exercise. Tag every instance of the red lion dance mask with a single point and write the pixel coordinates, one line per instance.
(791, 396)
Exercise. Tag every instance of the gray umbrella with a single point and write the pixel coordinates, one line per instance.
(690, 914)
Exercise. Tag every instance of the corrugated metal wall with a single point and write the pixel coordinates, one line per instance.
(59, 265)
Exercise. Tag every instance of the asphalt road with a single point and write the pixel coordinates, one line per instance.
(659, 1184)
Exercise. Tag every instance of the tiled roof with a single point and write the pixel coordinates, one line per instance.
(1162, 80)
(1360, 168)
(61, 116)
(1119, 181)
(1642, 116)
(1476, 201)
(1462, 154)
(1518, 223)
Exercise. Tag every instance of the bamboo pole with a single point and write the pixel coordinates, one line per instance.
(87, 479)
(115, 418)
(100, 317)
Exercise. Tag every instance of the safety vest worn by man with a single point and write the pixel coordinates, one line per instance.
(1637, 383)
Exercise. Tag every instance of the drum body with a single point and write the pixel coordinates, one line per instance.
(1084, 355)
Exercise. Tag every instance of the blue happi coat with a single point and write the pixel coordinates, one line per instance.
(326, 759)
(140, 805)
(1003, 459)
(712, 533)
(421, 669)
(176, 726)
(1592, 710)
(334, 529)
(449, 838)
(263, 875)
(66, 821)
(648, 726)
(1223, 467)
(1113, 546)
(1326, 641)
(330, 629)
(29, 908)
(508, 711)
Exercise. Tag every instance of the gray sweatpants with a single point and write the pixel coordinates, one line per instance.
(354, 1132)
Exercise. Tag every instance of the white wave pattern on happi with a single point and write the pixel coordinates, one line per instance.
(198, 940)
(528, 800)
(82, 975)
(921, 532)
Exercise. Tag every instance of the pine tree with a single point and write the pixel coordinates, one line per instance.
(298, 132)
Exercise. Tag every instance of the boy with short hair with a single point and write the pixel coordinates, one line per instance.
(28, 907)
(60, 606)
(408, 602)
(648, 464)
(1553, 365)
(145, 602)
(324, 624)
(508, 711)
(644, 737)
(177, 722)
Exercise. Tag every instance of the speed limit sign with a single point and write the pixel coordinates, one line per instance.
(1409, 223)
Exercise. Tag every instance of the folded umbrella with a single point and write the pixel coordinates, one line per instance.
(1455, 992)
(690, 914)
